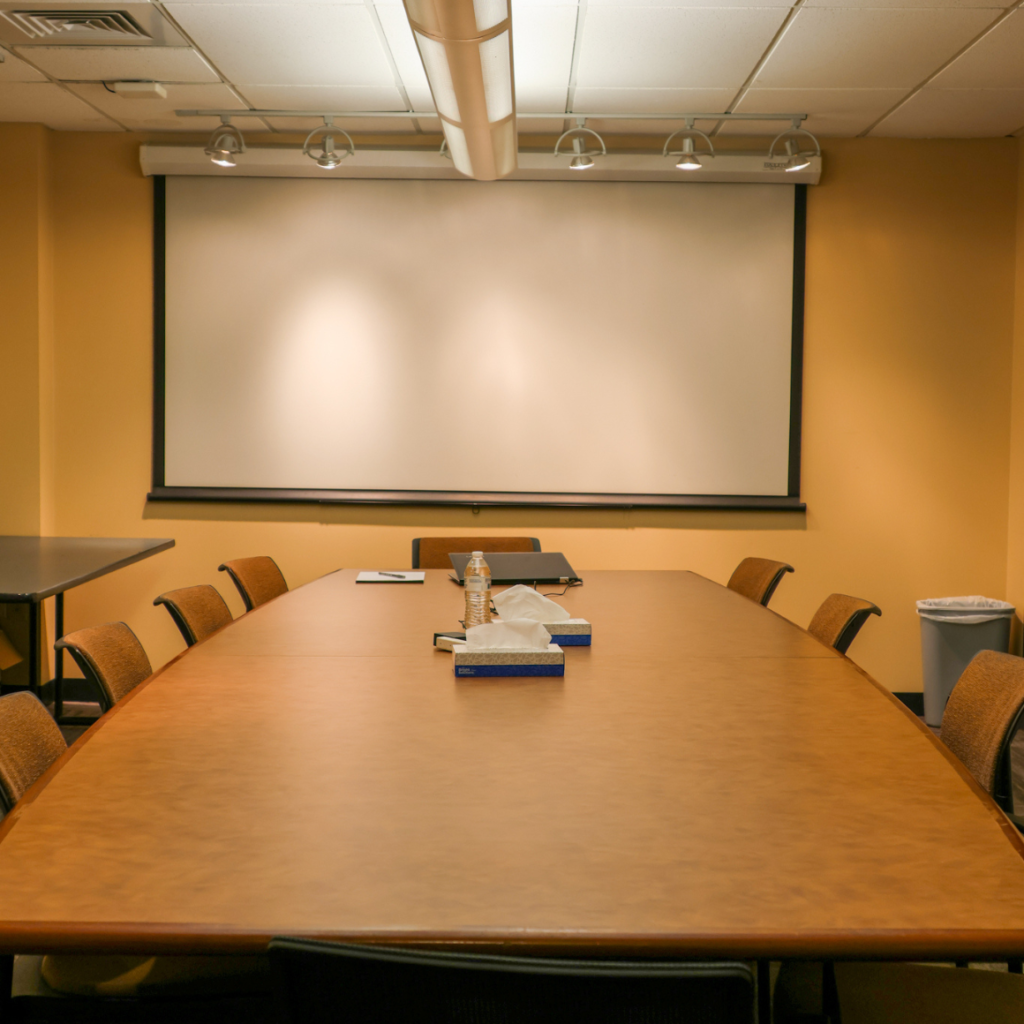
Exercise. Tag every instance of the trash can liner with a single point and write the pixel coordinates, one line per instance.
(964, 611)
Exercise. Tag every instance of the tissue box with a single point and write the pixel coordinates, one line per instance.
(571, 633)
(509, 662)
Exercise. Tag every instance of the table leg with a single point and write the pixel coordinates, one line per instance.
(58, 673)
(33, 647)
(764, 992)
(6, 983)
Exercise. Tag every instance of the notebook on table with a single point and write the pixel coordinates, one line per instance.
(527, 567)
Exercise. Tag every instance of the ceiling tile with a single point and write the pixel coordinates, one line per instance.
(326, 98)
(405, 55)
(673, 47)
(831, 112)
(14, 70)
(158, 114)
(115, 63)
(289, 44)
(836, 48)
(542, 42)
(994, 62)
(652, 101)
(49, 104)
(956, 114)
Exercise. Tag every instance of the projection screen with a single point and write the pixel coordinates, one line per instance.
(562, 342)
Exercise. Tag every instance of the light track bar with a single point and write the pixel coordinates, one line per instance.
(432, 114)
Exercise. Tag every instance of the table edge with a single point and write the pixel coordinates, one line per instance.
(161, 544)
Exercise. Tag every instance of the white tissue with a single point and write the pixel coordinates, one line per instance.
(522, 602)
(517, 635)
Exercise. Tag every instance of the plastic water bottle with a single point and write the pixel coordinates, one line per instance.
(478, 590)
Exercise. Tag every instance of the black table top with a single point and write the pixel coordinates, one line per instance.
(32, 568)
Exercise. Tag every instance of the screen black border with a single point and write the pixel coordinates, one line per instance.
(161, 492)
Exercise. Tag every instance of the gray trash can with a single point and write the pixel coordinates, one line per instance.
(953, 630)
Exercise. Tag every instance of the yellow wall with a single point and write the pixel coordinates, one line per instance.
(909, 341)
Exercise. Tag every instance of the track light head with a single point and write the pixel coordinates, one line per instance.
(795, 159)
(225, 144)
(688, 159)
(328, 156)
(582, 158)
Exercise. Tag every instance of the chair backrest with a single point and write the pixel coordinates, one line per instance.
(197, 611)
(757, 578)
(433, 552)
(258, 579)
(320, 982)
(839, 619)
(29, 743)
(981, 717)
(110, 657)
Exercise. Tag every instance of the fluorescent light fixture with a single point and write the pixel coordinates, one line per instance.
(489, 13)
(439, 75)
(496, 66)
(225, 144)
(466, 49)
(140, 90)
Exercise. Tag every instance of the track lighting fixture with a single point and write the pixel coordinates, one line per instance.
(328, 156)
(795, 159)
(582, 158)
(688, 159)
(225, 144)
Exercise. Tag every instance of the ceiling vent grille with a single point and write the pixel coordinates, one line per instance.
(48, 23)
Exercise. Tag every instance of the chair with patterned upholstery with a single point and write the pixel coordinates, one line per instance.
(839, 619)
(981, 718)
(757, 578)
(433, 552)
(198, 612)
(29, 743)
(110, 657)
(258, 579)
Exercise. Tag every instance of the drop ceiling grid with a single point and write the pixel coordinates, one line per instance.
(846, 62)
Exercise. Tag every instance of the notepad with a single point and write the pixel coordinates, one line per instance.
(391, 576)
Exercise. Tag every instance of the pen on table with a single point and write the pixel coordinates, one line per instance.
(395, 575)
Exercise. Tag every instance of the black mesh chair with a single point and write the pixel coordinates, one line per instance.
(324, 983)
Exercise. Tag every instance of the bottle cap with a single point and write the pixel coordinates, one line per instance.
(478, 554)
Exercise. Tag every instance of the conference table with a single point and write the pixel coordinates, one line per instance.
(707, 780)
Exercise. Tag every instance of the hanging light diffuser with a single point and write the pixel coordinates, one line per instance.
(466, 49)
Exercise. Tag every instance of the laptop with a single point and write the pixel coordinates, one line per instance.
(520, 567)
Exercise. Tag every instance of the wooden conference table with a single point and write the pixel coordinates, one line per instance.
(707, 780)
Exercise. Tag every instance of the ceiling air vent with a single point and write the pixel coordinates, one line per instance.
(49, 23)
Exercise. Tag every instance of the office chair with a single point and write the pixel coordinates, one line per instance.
(322, 982)
(110, 657)
(258, 579)
(198, 612)
(433, 552)
(757, 578)
(839, 619)
(981, 718)
(29, 743)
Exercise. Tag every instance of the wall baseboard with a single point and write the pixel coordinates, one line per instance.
(914, 700)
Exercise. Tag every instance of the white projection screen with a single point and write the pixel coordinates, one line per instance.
(534, 342)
